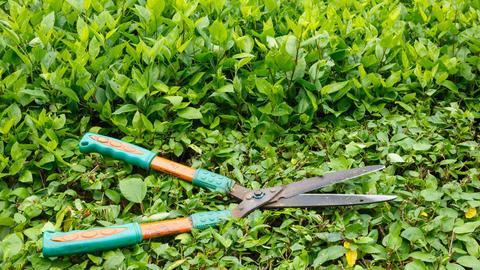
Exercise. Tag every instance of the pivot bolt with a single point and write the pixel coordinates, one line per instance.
(258, 194)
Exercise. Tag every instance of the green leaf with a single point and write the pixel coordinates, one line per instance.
(181, 47)
(6, 221)
(450, 85)
(291, 45)
(11, 245)
(282, 109)
(144, 13)
(218, 32)
(415, 265)
(126, 108)
(190, 113)
(225, 242)
(113, 195)
(245, 43)
(431, 195)
(263, 86)
(423, 256)
(82, 29)
(421, 146)
(334, 87)
(113, 259)
(393, 79)
(297, 246)
(393, 240)
(473, 248)
(257, 242)
(175, 264)
(468, 227)
(412, 234)
(146, 123)
(174, 100)
(26, 177)
(68, 92)
(156, 6)
(405, 106)
(328, 254)
(133, 189)
(228, 88)
(47, 22)
(77, 4)
(96, 260)
(468, 261)
(395, 158)
(300, 69)
(41, 263)
(454, 266)
(94, 47)
(155, 217)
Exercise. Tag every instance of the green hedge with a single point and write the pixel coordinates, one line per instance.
(265, 92)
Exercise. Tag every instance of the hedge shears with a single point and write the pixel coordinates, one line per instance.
(289, 195)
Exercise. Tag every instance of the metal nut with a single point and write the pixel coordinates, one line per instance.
(258, 194)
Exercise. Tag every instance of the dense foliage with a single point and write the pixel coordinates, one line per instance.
(264, 92)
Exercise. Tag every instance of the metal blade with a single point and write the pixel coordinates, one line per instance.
(323, 200)
(313, 183)
(239, 192)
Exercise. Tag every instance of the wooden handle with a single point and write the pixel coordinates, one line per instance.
(176, 169)
(166, 227)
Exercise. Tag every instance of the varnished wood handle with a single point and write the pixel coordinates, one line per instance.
(176, 169)
(166, 227)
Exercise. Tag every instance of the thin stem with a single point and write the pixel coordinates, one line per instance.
(450, 246)
(299, 39)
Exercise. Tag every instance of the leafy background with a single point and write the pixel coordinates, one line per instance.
(265, 92)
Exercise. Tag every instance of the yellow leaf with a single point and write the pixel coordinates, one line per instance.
(351, 257)
(86, 4)
(471, 212)
(346, 244)
(423, 214)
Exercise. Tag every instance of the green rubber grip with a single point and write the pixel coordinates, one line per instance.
(208, 219)
(118, 149)
(85, 241)
(212, 181)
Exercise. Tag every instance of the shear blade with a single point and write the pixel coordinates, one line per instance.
(325, 200)
(313, 183)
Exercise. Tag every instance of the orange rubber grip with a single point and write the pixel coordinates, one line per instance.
(90, 234)
(166, 227)
(176, 169)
